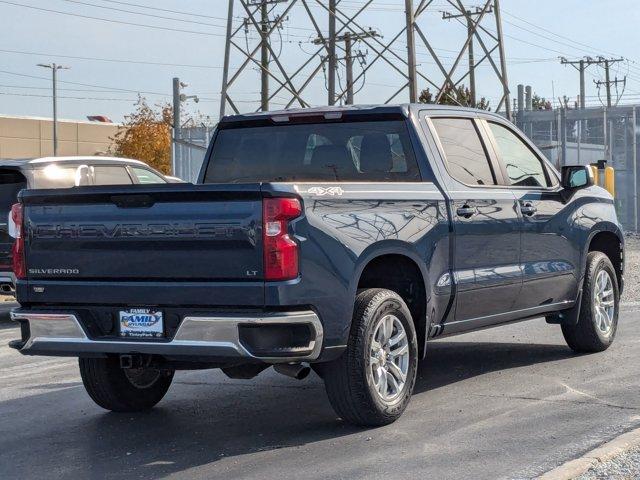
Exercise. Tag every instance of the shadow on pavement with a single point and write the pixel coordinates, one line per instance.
(450, 362)
(202, 422)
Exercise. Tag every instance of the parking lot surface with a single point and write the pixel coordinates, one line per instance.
(510, 402)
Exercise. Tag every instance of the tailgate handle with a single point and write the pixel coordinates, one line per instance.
(133, 201)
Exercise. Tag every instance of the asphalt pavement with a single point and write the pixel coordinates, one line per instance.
(511, 402)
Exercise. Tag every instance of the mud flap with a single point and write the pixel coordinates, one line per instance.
(569, 316)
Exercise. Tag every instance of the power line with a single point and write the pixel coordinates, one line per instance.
(66, 97)
(109, 20)
(590, 47)
(111, 60)
(113, 89)
(179, 12)
(174, 19)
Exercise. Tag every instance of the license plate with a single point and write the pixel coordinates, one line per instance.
(141, 323)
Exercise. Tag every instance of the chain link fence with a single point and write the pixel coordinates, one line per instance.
(189, 151)
(586, 136)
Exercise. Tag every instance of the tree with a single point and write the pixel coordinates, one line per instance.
(460, 96)
(540, 103)
(146, 135)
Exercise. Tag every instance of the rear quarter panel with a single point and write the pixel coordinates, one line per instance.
(344, 227)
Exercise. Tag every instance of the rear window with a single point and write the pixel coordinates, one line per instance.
(361, 151)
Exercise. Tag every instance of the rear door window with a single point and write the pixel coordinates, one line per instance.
(466, 158)
(350, 151)
(111, 175)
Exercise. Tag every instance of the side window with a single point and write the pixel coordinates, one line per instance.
(466, 158)
(524, 168)
(145, 176)
(111, 175)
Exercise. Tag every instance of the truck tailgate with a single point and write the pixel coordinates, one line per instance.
(154, 233)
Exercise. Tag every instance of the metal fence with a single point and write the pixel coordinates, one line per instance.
(189, 150)
(567, 137)
(585, 136)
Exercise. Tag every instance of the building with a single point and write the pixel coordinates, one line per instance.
(24, 137)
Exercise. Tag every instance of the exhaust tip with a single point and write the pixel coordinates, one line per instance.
(293, 370)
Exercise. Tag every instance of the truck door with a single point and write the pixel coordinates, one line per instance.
(486, 226)
(548, 257)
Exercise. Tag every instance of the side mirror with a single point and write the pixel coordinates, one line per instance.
(577, 176)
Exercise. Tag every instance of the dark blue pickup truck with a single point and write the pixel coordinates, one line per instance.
(341, 239)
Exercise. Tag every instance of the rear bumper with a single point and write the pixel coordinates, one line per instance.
(217, 337)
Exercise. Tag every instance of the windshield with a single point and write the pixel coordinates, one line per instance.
(357, 151)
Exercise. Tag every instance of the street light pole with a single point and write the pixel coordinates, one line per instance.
(54, 69)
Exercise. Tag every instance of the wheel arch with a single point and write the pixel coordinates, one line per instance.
(607, 238)
(377, 269)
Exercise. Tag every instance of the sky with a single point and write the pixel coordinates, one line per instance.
(117, 49)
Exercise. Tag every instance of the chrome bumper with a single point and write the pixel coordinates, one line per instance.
(210, 336)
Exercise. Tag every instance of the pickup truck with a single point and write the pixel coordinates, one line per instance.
(339, 239)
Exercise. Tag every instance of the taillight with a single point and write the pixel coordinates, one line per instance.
(17, 251)
(280, 250)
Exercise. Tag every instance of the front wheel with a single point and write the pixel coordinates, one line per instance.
(372, 382)
(598, 320)
(123, 390)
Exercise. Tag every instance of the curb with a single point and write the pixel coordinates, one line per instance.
(604, 453)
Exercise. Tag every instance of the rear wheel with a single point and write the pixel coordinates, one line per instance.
(123, 390)
(372, 382)
(598, 320)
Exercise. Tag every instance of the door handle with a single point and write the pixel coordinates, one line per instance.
(466, 211)
(528, 209)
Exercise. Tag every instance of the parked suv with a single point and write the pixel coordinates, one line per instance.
(59, 172)
(343, 238)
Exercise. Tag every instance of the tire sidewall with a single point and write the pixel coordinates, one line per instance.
(599, 263)
(381, 305)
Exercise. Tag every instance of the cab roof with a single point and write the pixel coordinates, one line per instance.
(92, 160)
(348, 111)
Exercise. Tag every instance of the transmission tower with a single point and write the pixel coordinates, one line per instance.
(288, 77)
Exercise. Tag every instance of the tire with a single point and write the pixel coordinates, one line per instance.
(598, 319)
(119, 390)
(354, 382)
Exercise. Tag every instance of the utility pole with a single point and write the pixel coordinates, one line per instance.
(349, 64)
(348, 39)
(582, 64)
(176, 122)
(607, 67)
(264, 56)
(54, 69)
(331, 80)
(178, 99)
(470, 33)
(411, 51)
(503, 61)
